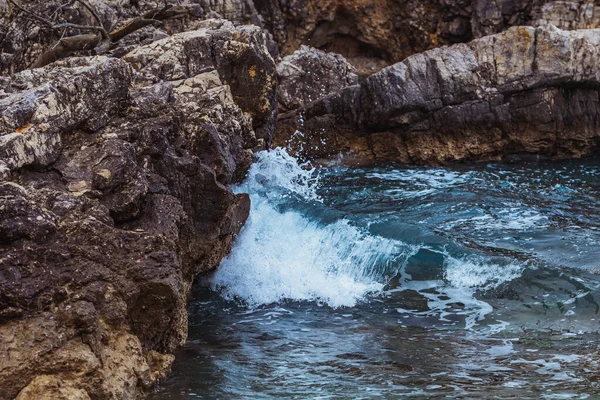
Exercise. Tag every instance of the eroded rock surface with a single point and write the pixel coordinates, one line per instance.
(310, 74)
(524, 91)
(375, 34)
(114, 197)
(23, 38)
(371, 35)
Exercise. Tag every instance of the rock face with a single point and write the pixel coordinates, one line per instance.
(310, 74)
(113, 197)
(374, 34)
(371, 35)
(524, 91)
(490, 17)
(114, 167)
(23, 38)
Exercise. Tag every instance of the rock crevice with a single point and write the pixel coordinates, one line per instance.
(526, 90)
(114, 197)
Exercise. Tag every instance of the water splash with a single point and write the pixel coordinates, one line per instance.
(287, 255)
(284, 254)
(276, 175)
(479, 272)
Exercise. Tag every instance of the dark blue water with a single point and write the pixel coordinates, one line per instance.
(468, 282)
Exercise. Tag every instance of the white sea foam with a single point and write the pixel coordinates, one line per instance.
(508, 219)
(421, 183)
(286, 255)
(282, 253)
(479, 272)
(277, 174)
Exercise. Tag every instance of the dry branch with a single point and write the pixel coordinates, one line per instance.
(166, 13)
(101, 40)
(67, 46)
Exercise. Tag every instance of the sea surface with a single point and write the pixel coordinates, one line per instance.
(464, 282)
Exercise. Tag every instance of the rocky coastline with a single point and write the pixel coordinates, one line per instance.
(116, 162)
(523, 92)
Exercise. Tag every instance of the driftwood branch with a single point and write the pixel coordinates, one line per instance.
(166, 13)
(100, 40)
(67, 46)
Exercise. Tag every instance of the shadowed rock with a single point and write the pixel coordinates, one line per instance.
(372, 35)
(114, 197)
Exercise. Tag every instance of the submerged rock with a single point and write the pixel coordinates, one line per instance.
(526, 90)
(114, 197)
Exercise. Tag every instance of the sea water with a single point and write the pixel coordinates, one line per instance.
(464, 282)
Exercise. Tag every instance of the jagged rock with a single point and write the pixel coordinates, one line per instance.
(310, 74)
(526, 90)
(23, 38)
(50, 101)
(114, 197)
(372, 35)
(369, 34)
(236, 53)
(490, 17)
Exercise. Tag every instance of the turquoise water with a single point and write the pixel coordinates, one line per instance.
(466, 282)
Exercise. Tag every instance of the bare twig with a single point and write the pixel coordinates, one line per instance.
(76, 26)
(31, 14)
(101, 40)
(151, 17)
(59, 8)
(96, 17)
(51, 25)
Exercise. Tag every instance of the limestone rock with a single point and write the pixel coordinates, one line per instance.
(523, 91)
(310, 74)
(65, 97)
(236, 53)
(490, 17)
(114, 196)
(372, 35)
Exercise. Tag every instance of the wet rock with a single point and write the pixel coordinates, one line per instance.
(526, 90)
(114, 197)
(310, 74)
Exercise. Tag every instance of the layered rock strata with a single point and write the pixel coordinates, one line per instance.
(371, 35)
(524, 91)
(114, 197)
(375, 34)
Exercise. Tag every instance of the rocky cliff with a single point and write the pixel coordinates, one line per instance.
(115, 160)
(114, 196)
(524, 91)
(372, 34)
